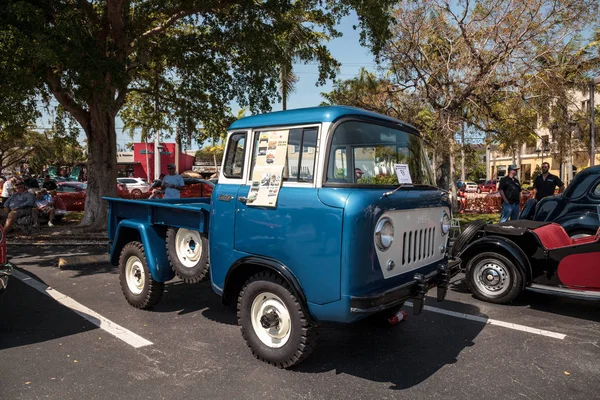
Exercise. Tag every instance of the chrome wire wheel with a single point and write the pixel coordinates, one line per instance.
(188, 246)
(492, 277)
(271, 320)
(134, 275)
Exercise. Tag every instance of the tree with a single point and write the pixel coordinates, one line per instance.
(194, 56)
(458, 56)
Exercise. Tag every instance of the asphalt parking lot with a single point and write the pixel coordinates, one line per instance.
(189, 346)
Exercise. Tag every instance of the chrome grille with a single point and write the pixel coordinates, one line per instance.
(418, 245)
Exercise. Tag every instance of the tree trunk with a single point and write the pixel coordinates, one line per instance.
(434, 165)
(452, 187)
(147, 160)
(101, 167)
(462, 153)
(518, 164)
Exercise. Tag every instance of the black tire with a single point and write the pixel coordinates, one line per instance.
(465, 237)
(190, 270)
(151, 290)
(528, 209)
(303, 335)
(507, 271)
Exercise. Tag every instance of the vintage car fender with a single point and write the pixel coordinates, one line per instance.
(245, 267)
(153, 240)
(577, 222)
(501, 245)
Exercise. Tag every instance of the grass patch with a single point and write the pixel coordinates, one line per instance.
(73, 217)
(466, 219)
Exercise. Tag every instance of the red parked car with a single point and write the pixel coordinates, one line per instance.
(487, 186)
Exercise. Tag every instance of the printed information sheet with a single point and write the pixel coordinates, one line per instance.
(268, 171)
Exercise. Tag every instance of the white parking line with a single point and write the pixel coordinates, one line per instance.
(490, 321)
(116, 330)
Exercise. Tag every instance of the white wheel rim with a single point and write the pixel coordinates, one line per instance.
(492, 277)
(267, 305)
(188, 245)
(134, 275)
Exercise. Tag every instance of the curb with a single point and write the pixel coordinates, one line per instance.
(55, 244)
(77, 261)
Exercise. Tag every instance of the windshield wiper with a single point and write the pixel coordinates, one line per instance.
(391, 192)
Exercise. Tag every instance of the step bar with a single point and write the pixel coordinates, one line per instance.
(560, 291)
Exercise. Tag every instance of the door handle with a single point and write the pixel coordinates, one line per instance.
(225, 197)
(242, 199)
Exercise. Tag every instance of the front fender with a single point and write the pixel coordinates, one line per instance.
(500, 245)
(152, 238)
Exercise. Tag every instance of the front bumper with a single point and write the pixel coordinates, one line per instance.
(5, 272)
(414, 289)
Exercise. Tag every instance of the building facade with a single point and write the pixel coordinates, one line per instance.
(140, 163)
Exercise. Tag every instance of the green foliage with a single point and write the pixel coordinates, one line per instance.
(340, 173)
(380, 179)
(536, 172)
(210, 153)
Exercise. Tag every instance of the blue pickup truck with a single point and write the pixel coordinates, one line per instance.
(308, 223)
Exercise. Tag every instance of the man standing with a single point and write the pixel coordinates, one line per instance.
(510, 191)
(20, 204)
(172, 184)
(49, 184)
(545, 184)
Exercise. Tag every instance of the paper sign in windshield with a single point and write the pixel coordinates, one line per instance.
(403, 173)
(268, 171)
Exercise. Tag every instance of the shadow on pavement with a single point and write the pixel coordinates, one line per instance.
(581, 309)
(28, 316)
(404, 355)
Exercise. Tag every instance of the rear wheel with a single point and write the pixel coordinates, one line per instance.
(493, 278)
(273, 322)
(140, 290)
(188, 254)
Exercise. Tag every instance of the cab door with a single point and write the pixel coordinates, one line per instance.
(223, 207)
(300, 232)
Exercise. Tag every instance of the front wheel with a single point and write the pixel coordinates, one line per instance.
(140, 290)
(493, 278)
(273, 322)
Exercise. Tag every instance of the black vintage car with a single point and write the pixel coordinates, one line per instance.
(576, 208)
(501, 260)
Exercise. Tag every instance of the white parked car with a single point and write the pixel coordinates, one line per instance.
(471, 186)
(135, 185)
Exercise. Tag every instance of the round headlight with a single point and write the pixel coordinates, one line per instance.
(445, 223)
(384, 234)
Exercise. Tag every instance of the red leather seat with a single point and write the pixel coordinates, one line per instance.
(554, 236)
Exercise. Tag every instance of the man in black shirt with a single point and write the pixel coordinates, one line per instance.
(510, 191)
(544, 184)
(49, 184)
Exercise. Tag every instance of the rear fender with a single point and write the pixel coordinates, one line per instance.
(500, 245)
(152, 238)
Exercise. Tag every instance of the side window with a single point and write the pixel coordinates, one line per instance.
(234, 157)
(301, 155)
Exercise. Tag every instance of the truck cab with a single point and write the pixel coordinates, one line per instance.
(319, 214)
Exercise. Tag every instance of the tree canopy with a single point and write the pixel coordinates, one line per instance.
(188, 59)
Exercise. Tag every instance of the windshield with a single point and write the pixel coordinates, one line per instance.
(363, 153)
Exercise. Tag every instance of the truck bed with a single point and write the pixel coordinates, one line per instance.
(190, 213)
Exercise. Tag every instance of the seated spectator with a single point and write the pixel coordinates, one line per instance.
(20, 204)
(60, 209)
(45, 205)
(49, 184)
(8, 189)
(157, 182)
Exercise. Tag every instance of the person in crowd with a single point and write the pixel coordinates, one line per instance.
(172, 184)
(545, 184)
(45, 205)
(462, 198)
(30, 182)
(20, 204)
(510, 191)
(49, 184)
(157, 182)
(8, 189)
(358, 173)
(59, 204)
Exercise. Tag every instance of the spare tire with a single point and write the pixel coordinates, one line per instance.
(188, 254)
(528, 209)
(465, 237)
